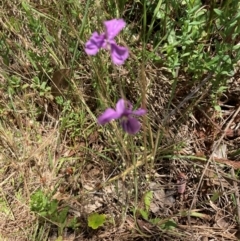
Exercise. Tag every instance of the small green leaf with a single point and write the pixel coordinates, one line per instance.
(196, 23)
(233, 23)
(171, 37)
(215, 196)
(72, 223)
(217, 11)
(217, 108)
(53, 206)
(170, 224)
(25, 6)
(194, 213)
(144, 214)
(96, 220)
(148, 199)
(154, 221)
(63, 214)
(236, 47)
(25, 86)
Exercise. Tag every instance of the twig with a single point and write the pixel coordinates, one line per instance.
(6, 180)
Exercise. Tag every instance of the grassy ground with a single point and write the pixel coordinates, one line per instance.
(64, 177)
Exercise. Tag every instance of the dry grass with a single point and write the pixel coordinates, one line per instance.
(187, 160)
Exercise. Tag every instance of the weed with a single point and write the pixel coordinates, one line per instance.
(51, 210)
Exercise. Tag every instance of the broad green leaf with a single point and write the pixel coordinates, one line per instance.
(96, 220)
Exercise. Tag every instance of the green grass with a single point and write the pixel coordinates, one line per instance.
(58, 167)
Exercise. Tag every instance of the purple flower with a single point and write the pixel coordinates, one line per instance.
(106, 40)
(125, 113)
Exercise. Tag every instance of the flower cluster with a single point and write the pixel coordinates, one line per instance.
(106, 40)
(126, 115)
(124, 109)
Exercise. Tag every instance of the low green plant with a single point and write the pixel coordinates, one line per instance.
(14, 84)
(194, 39)
(43, 205)
(40, 86)
(147, 201)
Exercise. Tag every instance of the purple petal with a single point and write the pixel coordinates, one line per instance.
(118, 53)
(94, 43)
(113, 27)
(139, 112)
(131, 125)
(108, 115)
(120, 107)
